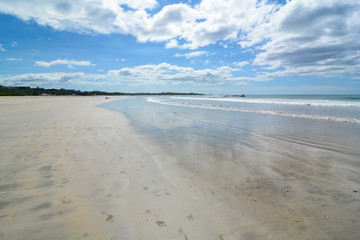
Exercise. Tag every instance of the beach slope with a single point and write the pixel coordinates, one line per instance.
(71, 170)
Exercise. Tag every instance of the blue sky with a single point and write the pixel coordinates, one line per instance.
(209, 46)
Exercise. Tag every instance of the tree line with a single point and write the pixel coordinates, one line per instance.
(28, 91)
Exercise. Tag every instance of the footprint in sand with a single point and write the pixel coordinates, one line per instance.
(64, 201)
(161, 223)
(109, 218)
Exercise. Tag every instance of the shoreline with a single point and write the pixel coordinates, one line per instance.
(73, 170)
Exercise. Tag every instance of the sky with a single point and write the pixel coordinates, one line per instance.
(204, 46)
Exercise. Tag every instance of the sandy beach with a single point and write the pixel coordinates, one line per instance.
(72, 170)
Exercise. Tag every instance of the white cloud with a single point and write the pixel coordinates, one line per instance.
(205, 23)
(2, 49)
(83, 16)
(165, 73)
(139, 4)
(225, 20)
(173, 43)
(69, 63)
(141, 75)
(301, 36)
(32, 79)
(14, 44)
(192, 54)
(310, 38)
(240, 64)
(13, 59)
(170, 23)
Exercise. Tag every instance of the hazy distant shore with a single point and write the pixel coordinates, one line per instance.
(72, 170)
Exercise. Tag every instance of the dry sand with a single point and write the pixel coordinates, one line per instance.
(71, 170)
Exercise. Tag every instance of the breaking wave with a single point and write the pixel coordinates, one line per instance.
(215, 105)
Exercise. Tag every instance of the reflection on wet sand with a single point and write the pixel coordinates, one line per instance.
(267, 177)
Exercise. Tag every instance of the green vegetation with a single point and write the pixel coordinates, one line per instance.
(28, 91)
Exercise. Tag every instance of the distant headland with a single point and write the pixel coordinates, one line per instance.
(28, 91)
(242, 95)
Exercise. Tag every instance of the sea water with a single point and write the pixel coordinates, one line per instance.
(230, 123)
(342, 108)
(286, 152)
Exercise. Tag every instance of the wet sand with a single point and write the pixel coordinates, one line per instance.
(72, 170)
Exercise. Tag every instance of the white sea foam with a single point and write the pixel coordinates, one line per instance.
(309, 102)
(264, 112)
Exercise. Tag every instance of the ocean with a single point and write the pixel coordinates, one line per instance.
(286, 152)
(341, 108)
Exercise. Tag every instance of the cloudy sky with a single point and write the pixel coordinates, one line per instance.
(208, 46)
